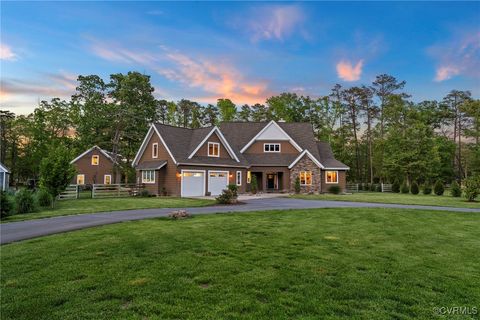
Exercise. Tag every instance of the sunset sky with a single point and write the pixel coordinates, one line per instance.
(243, 51)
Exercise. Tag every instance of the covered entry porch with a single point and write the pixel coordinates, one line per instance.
(271, 179)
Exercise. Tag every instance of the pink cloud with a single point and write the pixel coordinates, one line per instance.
(272, 22)
(460, 56)
(217, 78)
(349, 72)
(6, 53)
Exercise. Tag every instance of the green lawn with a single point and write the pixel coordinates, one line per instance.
(81, 206)
(310, 264)
(399, 198)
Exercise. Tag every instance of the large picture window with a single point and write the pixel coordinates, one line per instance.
(271, 147)
(214, 149)
(306, 178)
(331, 176)
(148, 176)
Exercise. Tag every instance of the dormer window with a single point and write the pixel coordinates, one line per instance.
(95, 160)
(155, 150)
(271, 147)
(214, 149)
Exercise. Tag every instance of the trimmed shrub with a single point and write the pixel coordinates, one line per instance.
(25, 201)
(44, 199)
(234, 188)
(414, 188)
(144, 193)
(6, 205)
(404, 188)
(254, 184)
(427, 188)
(396, 186)
(471, 188)
(372, 187)
(455, 190)
(439, 188)
(226, 197)
(378, 187)
(297, 185)
(334, 189)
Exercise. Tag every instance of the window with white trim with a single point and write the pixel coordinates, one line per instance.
(155, 150)
(271, 147)
(148, 176)
(239, 178)
(107, 179)
(214, 149)
(306, 178)
(95, 160)
(80, 179)
(331, 176)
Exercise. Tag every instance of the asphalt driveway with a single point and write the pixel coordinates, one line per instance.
(16, 231)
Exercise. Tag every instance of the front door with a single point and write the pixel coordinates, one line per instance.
(271, 180)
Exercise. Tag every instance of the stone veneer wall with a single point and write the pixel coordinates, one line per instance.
(306, 164)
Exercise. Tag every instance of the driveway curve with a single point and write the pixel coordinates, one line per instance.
(17, 231)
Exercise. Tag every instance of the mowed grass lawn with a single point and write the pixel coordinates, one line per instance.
(397, 198)
(82, 206)
(303, 264)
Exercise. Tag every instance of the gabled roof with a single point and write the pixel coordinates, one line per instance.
(308, 154)
(222, 140)
(183, 143)
(267, 127)
(4, 168)
(109, 155)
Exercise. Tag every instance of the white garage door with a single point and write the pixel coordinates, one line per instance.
(217, 181)
(193, 183)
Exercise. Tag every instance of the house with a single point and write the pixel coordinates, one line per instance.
(197, 162)
(4, 177)
(95, 166)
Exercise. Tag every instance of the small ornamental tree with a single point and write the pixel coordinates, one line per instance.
(25, 201)
(56, 171)
(254, 184)
(396, 186)
(471, 188)
(414, 188)
(297, 185)
(404, 188)
(438, 188)
(455, 190)
(427, 188)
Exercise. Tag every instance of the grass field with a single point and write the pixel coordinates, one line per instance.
(310, 264)
(81, 206)
(398, 198)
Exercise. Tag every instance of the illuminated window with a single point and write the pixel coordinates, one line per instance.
(80, 179)
(95, 160)
(249, 176)
(107, 179)
(331, 176)
(271, 147)
(155, 150)
(306, 178)
(148, 176)
(213, 149)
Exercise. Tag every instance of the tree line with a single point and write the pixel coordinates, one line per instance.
(376, 129)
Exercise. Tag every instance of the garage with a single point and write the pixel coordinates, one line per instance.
(217, 181)
(193, 183)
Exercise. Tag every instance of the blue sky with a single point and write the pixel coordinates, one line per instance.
(246, 51)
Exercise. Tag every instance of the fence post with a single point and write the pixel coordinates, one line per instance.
(118, 190)
(93, 191)
(76, 191)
